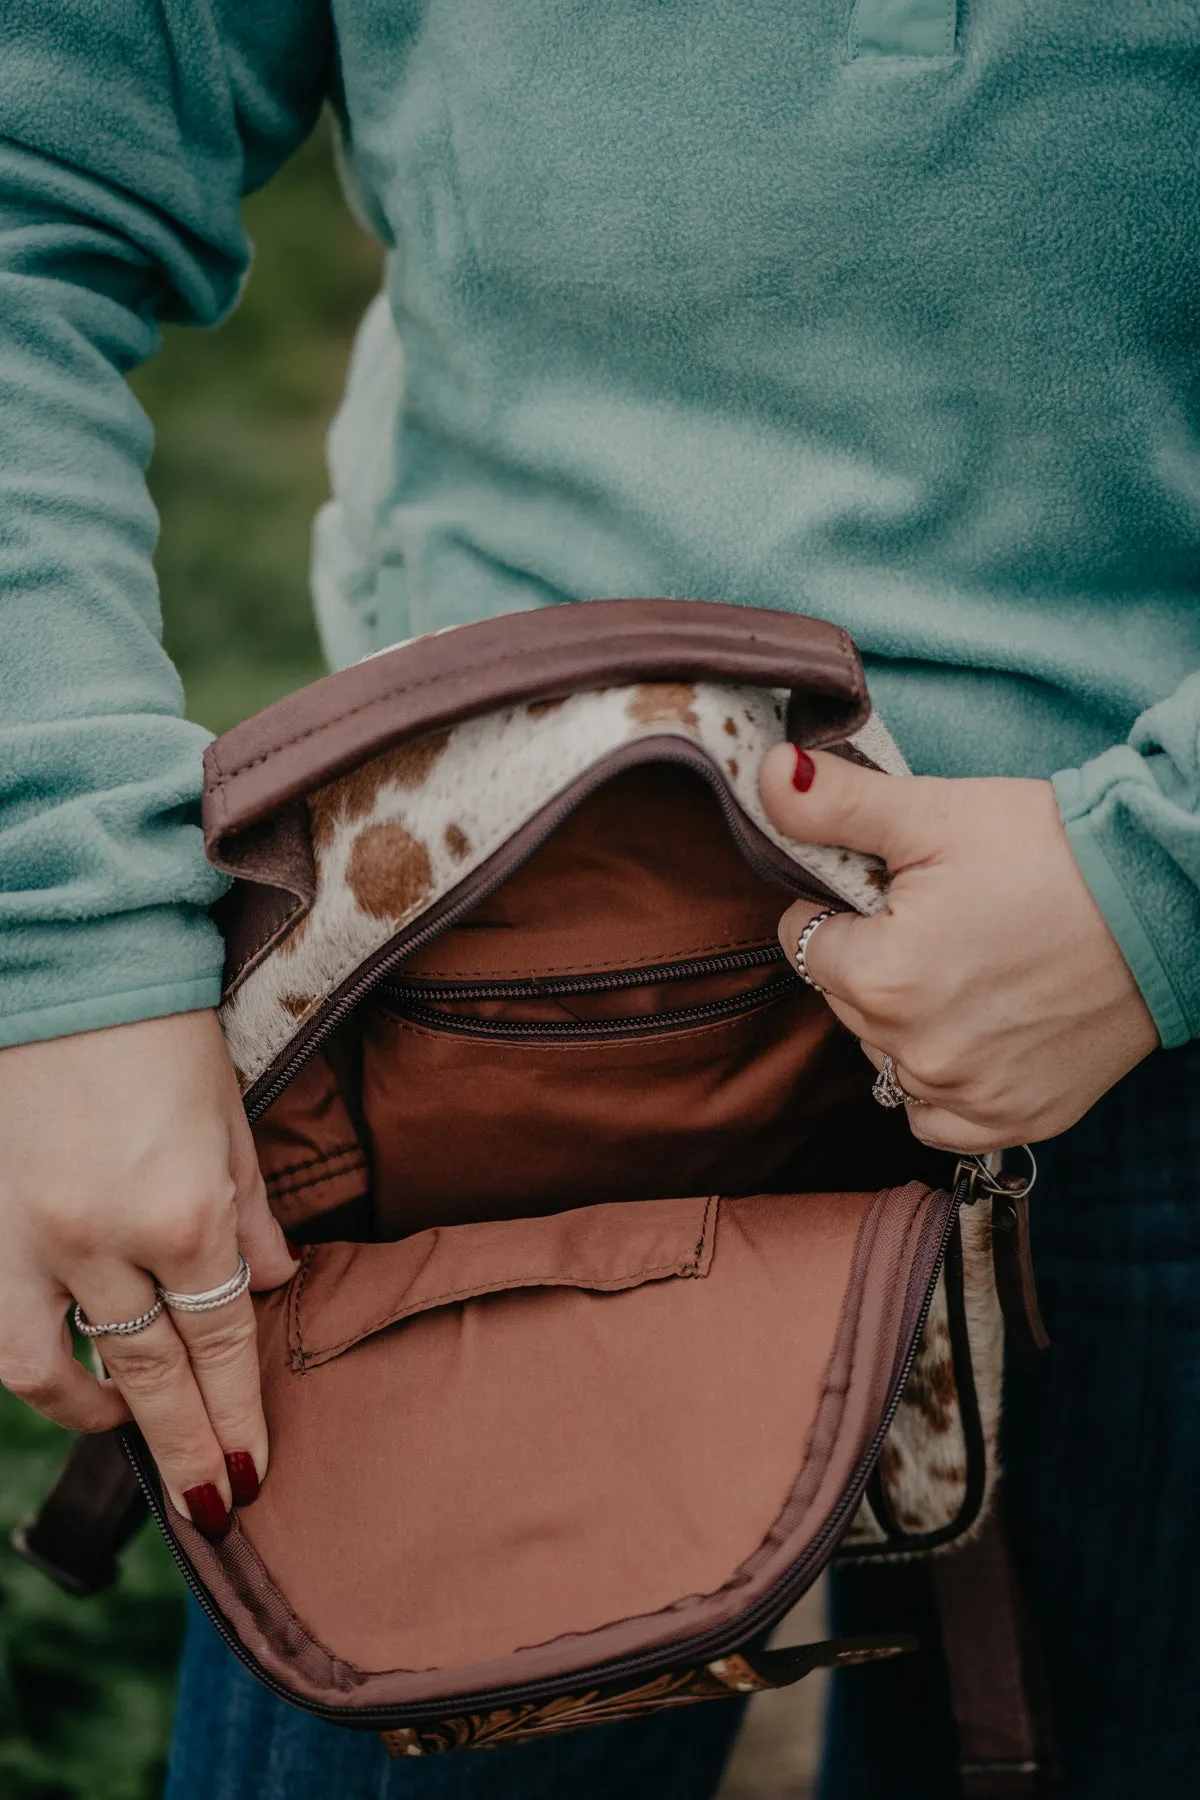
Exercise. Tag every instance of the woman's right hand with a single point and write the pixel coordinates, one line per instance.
(125, 1159)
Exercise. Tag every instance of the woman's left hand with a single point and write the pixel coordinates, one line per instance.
(992, 979)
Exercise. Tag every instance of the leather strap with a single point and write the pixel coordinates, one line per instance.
(1012, 1259)
(87, 1518)
(996, 1686)
(309, 737)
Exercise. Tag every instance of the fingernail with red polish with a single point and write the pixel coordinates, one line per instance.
(804, 771)
(243, 1477)
(295, 1251)
(209, 1512)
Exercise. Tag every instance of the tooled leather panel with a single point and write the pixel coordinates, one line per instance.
(310, 737)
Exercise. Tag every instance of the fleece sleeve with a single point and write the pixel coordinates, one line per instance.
(1133, 819)
(129, 131)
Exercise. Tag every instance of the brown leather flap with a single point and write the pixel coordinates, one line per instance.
(311, 736)
(344, 1293)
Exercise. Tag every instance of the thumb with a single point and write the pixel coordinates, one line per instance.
(260, 1235)
(824, 799)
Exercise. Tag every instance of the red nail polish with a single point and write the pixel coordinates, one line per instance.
(208, 1510)
(804, 771)
(243, 1477)
(295, 1251)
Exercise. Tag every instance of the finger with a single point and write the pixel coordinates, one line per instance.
(222, 1347)
(847, 805)
(37, 1366)
(260, 1235)
(942, 1129)
(919, 1091)
(833, 954)
(154, 1373)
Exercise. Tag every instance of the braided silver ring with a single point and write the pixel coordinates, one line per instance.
(121, 1327)
(802, 943)
(887, 1089)
(211, 1298)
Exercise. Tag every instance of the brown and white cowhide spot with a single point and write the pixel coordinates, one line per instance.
(923, 1466)
(399, 833)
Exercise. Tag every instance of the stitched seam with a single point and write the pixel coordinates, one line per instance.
(298, 1357)
(226, 775)
(289, 1190)
(698, 1252)
(313, 1162)
(474, 1289)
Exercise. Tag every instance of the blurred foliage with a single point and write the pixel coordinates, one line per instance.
(240, 415)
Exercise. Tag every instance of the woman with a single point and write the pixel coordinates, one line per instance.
(858, 308)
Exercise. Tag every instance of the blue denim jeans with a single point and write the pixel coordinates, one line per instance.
(235, 1741)
(1103, 1486)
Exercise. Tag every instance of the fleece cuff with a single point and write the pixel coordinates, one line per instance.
(1148, 902)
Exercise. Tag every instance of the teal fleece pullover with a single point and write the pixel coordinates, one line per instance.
(887, 311)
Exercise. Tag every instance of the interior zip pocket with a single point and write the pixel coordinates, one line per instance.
(454, 1005)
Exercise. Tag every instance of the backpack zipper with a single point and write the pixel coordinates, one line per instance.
(410, 1000)
(537, 987)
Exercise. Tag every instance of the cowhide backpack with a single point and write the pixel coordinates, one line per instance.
(624, 1309)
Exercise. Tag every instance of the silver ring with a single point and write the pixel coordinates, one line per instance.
(887, 1090)
(211, 1298)
(121, 1328)
(802, 943)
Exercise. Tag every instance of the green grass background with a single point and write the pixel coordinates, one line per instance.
(238, 471)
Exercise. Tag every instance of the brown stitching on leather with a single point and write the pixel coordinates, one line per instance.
(313, 1162)
(289, 1190)
(844, 648)
(297, 1284)
(610, 1284)
(698, 1252)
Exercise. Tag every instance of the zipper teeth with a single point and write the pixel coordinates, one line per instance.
(771, 1607)
(407, 946)
(640, 1025)
(728, 963)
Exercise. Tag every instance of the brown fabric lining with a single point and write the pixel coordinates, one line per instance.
(643, 871)
(864, 1349)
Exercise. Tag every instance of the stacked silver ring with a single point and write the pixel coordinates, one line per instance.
(802, 943)
(211, 1298)
(124, 1327)
(208, 1301)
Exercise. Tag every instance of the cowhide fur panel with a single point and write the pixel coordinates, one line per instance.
(923, 1466)
(402, 831)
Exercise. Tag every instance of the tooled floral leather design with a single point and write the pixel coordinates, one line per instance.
(568, 1712)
